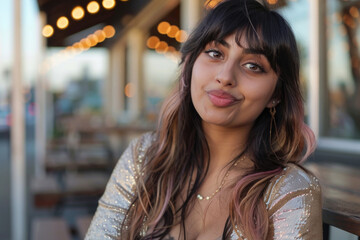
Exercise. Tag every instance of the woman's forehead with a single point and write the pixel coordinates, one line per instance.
(241, 41)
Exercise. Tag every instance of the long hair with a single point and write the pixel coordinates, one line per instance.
(179, 155)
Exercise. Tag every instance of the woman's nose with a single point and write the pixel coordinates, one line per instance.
(226, 75)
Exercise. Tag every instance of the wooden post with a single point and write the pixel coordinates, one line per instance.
(40, 123)
(18, 173)
(317, 84)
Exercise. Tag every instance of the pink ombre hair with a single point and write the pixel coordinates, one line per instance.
(178, 159)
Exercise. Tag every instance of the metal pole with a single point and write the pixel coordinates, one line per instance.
(18, 173)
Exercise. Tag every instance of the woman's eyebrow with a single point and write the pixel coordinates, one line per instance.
(222, 42)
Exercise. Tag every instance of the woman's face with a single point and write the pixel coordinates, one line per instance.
(231, 85)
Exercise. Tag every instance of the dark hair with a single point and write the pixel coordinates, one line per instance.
(180, 146)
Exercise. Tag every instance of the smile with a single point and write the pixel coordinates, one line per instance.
(221, 98)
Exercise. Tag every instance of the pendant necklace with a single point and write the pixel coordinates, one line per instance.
(201, 197)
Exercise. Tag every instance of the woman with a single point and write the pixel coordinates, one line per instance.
(224, 162)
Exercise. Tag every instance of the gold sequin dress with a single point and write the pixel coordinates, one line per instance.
(293, 200)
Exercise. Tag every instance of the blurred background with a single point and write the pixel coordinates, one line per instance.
(80, 78)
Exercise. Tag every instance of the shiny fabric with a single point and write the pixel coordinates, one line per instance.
(293, 200)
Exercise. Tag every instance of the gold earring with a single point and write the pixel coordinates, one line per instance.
(272, 111)
(272, 121)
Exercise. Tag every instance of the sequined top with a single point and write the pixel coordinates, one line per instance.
(293, 200)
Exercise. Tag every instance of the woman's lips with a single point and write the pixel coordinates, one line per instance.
(221, 98)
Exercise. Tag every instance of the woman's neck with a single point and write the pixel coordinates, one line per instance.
(224, 144)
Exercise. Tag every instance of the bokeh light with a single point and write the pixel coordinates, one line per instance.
(109, 31)
(181, 36)
(163, 27)
(152, 41)
(93, 7)
(47, 31)
(62, 22)
(171, 32)
(77, 13)
(129, 90)
(108, 4)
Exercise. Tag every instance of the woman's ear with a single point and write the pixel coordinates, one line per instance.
(272, 103)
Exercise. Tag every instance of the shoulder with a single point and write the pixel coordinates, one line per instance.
(292, 182)
(134, 154)
(131, 161)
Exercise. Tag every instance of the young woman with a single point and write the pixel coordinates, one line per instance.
(224, 161)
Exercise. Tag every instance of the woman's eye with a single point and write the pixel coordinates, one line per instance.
(213, 53)
(254, 67)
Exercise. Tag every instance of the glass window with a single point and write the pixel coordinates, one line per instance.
(297, 13)
(343, 69)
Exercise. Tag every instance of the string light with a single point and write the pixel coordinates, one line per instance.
(47, 31)
(212, 3)
(129, 90)
(354, 12)
(93, 7)
(77, 13)
(93, 40)
(62, 22)
(181, 36)
(109, 31)
(84, 44)
(163, 27)
(171, 32)
(100, 35)
(152, 41)
(108, 4)
(161, 47)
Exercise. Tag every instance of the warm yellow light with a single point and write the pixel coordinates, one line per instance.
(161, 47)
(348, 20)
(108, 4)
(93, 7)
(77, 13)
(163, 27)
(78, 46)
(212, 3)
(152, 41)
(129, 90)
(109, 31)
(93, 39)
(85, 43)
(171, 32)
(171, 49)
(354, 11)
(62, 22)
(181, 36)
(100, 35)
(47, 31)
(272, 1)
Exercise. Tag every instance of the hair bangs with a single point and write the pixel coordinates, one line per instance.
(253, 24)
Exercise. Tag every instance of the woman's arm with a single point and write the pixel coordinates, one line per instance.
(114, 203)
(295, 209)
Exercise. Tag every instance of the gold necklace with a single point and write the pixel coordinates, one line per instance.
(201, 197)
